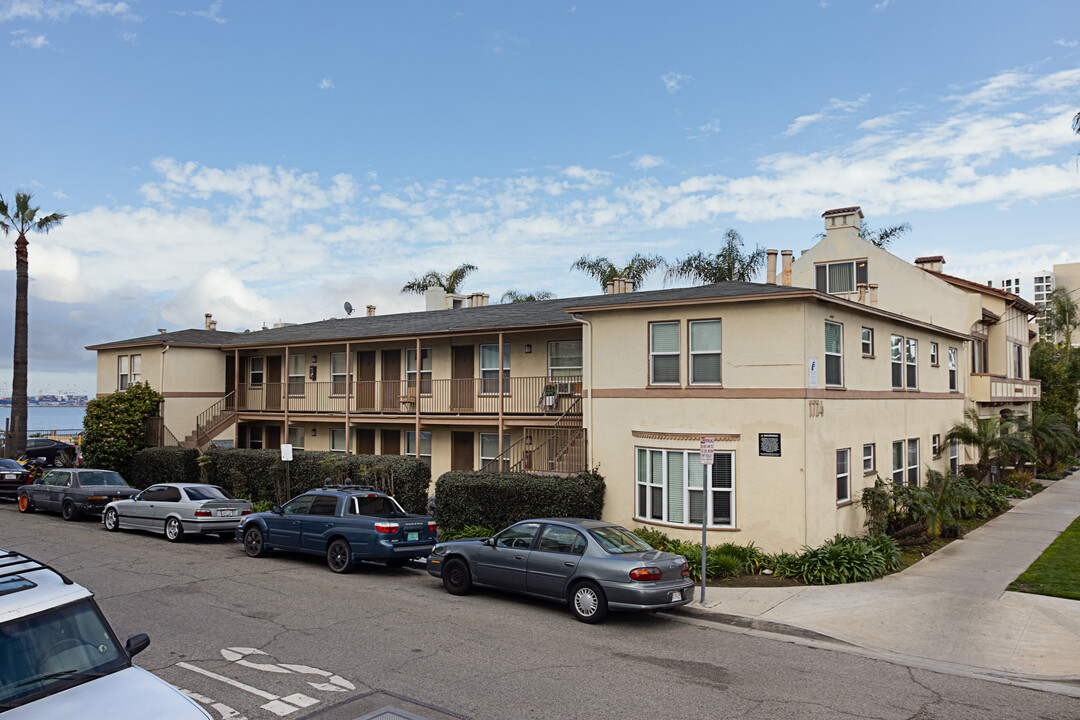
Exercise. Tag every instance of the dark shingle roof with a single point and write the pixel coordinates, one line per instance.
(179, 337)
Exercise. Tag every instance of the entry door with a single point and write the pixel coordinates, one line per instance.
(273, 437)
(461, 386)
(462, 454)
(391, 442)
(391, 385)
(365, 373)
(272, 386)
(365, 441)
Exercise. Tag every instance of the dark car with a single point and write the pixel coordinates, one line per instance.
(591, 565)
(346, 523)
(56, 453)
(12, 475)
(74, 491)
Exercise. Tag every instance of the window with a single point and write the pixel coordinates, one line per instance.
(323, 505)
(298, 506)
(839, 277)
(425, 445)
(255, 370)
(705, 352)
(952, 370)
(896, 353)
(337, 439)
(954, 456)
(559, 539)
(564, 358)
(935, 445)
(296, 375)
(934, 354)
(489, 369)
(911, 358)
(136, 369)
(868, 458)
(255, 437)
(519, 537)
(1018, 361)
(123, 372)
(979, 360)
(664, 353)
(425, 369)
(868, 342)
(674, 487)
(843, 475)
(296, 437)
(913, 462)
(489, 447)
(898, 462)
(834, 354)
(338, 368)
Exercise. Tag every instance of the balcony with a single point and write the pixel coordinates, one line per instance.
(998, 389)
(464, 396)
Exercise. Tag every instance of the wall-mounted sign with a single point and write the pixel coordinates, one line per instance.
(768, 444)
(813, 372)
(706, 450)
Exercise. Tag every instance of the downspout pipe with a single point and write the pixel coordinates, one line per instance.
(161, 382)
(589, 387)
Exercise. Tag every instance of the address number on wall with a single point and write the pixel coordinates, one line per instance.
(817, 408)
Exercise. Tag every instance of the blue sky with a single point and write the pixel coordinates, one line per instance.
(269, 160)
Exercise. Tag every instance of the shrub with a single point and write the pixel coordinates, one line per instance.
(657, 539)
(842, 559)
(723, 560)
(876, 501)
(114, 428)
(889, 550)
(163, 464)
(501, 499)
(473, 531)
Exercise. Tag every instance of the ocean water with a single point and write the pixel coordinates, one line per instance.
(48, 417)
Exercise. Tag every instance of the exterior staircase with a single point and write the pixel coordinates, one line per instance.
(210, 422)
(559, 449)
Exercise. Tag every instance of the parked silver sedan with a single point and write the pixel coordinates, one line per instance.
(178, 509)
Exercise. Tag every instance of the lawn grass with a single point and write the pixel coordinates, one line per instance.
(1057, 571)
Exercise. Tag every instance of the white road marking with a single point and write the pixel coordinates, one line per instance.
(229, 681)
(301, 700)
(237, 655)
(226, 712)
(279, 708)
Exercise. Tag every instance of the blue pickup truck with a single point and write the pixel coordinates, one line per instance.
(345, 523)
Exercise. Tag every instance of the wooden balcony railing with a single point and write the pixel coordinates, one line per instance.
(460, 396)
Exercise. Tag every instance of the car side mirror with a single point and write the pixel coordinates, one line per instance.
(277, 510)
(136, 644)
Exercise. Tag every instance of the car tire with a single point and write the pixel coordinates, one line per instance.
(255, 543)
(339, 556)
(68, 511)
(58, 460)
(25, 506)
(112, 520)
(174, 530)
(456, 577)
(587, 602)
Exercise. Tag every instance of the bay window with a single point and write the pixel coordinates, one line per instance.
(674, 487)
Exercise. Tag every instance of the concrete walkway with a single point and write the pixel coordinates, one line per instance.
(951, 607)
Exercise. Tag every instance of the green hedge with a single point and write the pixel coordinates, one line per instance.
(163, 464)
(500, 499)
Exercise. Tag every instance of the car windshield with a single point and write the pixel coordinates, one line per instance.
(207, 492)
(47, 653)
(102, 477)
(9, 464)
(619, 540)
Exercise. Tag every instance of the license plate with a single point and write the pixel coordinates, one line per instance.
(227, 513)
(409, 537)
(9, 476)
(676, 596)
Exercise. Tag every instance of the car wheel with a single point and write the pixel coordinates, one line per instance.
(58, 460)
(254, 543)
(68, 511)
(174, 531)
(339, 556)
(588, 603)
(25, 506)
(112, 520)
(456, 577)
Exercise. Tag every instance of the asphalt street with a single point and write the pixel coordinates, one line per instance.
(284, 637)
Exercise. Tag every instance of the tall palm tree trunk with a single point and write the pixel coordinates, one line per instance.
(16, 439)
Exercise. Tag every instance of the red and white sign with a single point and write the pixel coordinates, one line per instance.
(707, 446)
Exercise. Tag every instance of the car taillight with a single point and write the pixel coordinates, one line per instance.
(96, 497)
(245, 512)
(645, 573)
(202, 513)
(386, 527)
(432, 526)
(686, 571)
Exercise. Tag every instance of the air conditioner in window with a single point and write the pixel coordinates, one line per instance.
(564, 388)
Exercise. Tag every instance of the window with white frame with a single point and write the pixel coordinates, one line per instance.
(564, 358)
(425, 445)
(1018, 361)
(838, 277)
(868, 458)
(935, 445)
(911, 357)
(425, 369)
(954, 456)
(123, 372)
(896, 355)
(136, 369)
(255, 437)
(834, 354)
(296, 437)
(489, 448)
(256, 365)
(339, 362)
(674, 487)
(934, 354)
(868, 342)
(913, 462)
(664, 353)
(705, 365)
(337, 439)
(489, 369)
(296, 375)
(843, 475)
(953, 379)
(898, 462)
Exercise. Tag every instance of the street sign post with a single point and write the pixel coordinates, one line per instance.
(708, 445)
(286, 457)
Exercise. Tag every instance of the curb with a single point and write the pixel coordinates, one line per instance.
(752, 623)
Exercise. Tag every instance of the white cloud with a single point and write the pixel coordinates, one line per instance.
(26, 39)
(704, 131)
(1066, 43)
(647, 162)
(212, 13)
(882, 5)
(56, 10)
(800, 123)
(326, 84)
(128, 37)
(60, 194)
(1014, 85)
(674, 81)
(831, 110)
(589, 177)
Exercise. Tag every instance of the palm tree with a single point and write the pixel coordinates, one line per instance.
(516, 296)
(25, 219)
(729, 264)
(1076, 124)
(985, 435)
(885, 235)
(1049, 434)
(450, 282)
(1060, 315)
(604, 271)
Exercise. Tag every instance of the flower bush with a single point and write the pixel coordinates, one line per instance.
(114, 428)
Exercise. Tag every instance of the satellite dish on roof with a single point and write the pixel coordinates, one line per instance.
(348, 308)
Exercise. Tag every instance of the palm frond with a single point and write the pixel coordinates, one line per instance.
(457, 276)
(600, 268)
(516, 296)
(1076, 124)
(49, 222)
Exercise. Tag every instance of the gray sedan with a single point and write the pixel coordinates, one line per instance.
(591, 565)
(178, 509)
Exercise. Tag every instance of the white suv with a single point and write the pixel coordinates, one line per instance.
(60, 659)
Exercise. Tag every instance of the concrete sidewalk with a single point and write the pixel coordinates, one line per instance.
(951, 607)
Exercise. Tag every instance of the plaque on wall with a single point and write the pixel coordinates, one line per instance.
(768, 444)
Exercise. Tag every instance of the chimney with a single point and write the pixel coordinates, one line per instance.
(478, 299)
(371, 311)
(843, 222)
(786, 259)
(213, 324)
(770, 267)
(933, 263)
(209, 322)
(610, 287)
(619, 286)
(435, 298)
